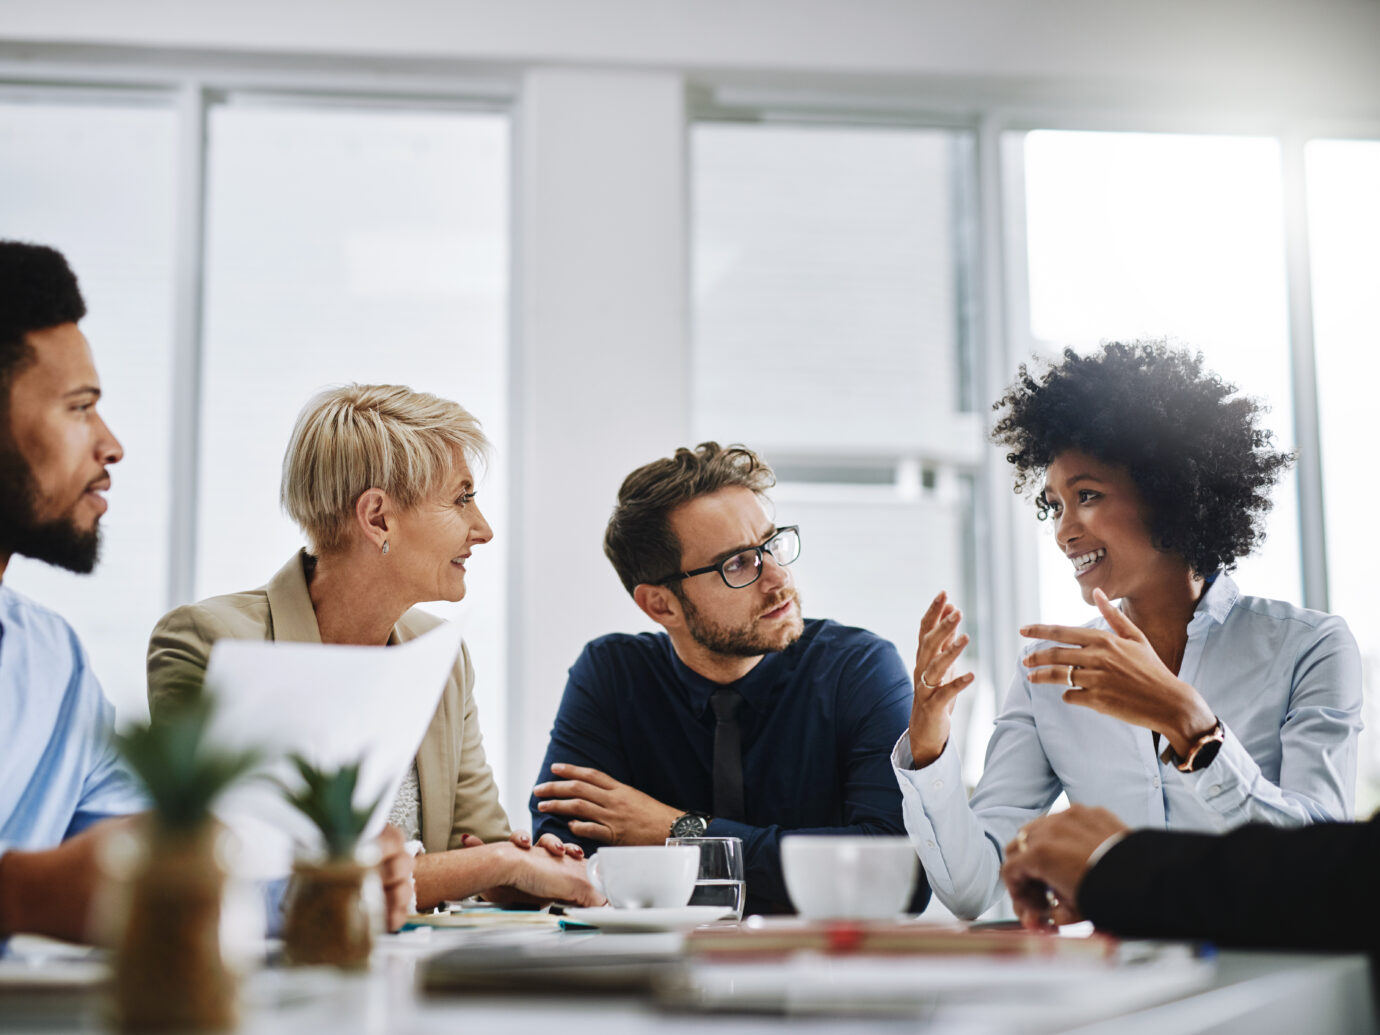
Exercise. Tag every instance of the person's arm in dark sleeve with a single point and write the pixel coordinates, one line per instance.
(584, 734)
(874, 709)
(1257, 886)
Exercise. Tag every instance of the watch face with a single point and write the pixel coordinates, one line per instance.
(689, 825)
(1204, 756)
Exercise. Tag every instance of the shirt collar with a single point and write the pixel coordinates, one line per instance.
(755, 687)
(1218, 599)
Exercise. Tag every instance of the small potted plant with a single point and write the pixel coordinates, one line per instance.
(326, 918)
(169, 972)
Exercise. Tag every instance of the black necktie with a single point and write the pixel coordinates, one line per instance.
(728, 755)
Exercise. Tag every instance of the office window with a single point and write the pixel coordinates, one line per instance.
(1344, 226)
(831, 300)
(93, 177)
(1132, 235)
(350, 244)
(826, 288)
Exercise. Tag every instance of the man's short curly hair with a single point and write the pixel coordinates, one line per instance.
(1193, 447)
(639, 541)
(38, 290)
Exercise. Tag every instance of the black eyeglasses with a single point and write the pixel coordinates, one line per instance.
(745, 567)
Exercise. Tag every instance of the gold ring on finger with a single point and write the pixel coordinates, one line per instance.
(1021, 838)
(1070, 675)
(926, 683)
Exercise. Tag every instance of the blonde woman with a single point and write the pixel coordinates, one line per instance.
(379, 479)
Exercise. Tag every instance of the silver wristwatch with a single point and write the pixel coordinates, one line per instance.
(690, 824)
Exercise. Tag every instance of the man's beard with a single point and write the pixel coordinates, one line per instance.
(56, 540)
(741, 642)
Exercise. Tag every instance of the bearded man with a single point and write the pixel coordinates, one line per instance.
(59, 776)
(742, 719)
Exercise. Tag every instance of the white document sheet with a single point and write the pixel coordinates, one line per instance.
(332, 705)
(951, 993)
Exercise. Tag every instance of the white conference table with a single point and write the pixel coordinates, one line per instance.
(1169, 992)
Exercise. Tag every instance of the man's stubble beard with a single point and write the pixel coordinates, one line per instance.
(741, 642)
(57, 541)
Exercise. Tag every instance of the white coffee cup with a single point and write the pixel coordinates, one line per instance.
(848, 877)
(645, 876)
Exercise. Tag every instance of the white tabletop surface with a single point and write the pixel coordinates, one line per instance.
(1169, 991)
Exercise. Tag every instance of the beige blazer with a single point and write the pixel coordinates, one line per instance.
(456, 786)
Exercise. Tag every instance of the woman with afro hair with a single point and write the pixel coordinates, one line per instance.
(1189, 706)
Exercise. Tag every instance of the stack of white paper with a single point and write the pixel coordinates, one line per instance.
(330, 704)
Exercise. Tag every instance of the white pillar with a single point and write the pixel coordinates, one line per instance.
(600, 362)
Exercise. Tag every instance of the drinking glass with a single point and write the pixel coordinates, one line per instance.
(720, 881)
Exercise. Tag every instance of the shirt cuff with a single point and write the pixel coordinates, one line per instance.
(936, 776)
(1105, 847)
(901, 758)
(720, 827)
(1224, 785)
(927, 795)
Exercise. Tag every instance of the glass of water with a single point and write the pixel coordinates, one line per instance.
(720, 882)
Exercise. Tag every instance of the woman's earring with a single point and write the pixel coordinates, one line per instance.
(385, 547)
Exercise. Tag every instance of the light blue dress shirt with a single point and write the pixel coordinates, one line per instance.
(58, 770)
(1285, 683)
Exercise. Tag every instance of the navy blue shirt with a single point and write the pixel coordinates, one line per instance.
(818, 723)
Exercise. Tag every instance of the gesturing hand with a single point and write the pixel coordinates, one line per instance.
(1048, 859)
(932, 706)
(1117, 672)
(599, 807)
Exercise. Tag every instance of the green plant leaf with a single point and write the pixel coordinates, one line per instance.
(182, 776)
(326, 797)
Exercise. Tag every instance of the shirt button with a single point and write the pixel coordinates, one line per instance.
(1157, 782)
(1216, 787)
(929, 844)
(938, 785)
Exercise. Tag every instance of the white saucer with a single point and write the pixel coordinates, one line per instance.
(611, 918)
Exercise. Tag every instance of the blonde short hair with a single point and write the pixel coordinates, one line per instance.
(350, 439)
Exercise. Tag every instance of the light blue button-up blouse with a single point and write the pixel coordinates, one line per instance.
(1285, 683)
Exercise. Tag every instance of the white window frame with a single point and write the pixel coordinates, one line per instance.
(1007, 576)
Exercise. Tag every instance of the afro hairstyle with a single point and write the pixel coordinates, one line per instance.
(1193, 447)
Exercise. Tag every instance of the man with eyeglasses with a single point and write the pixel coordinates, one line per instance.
(742, 719)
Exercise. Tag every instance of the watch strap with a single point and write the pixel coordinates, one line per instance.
(1200, 753)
